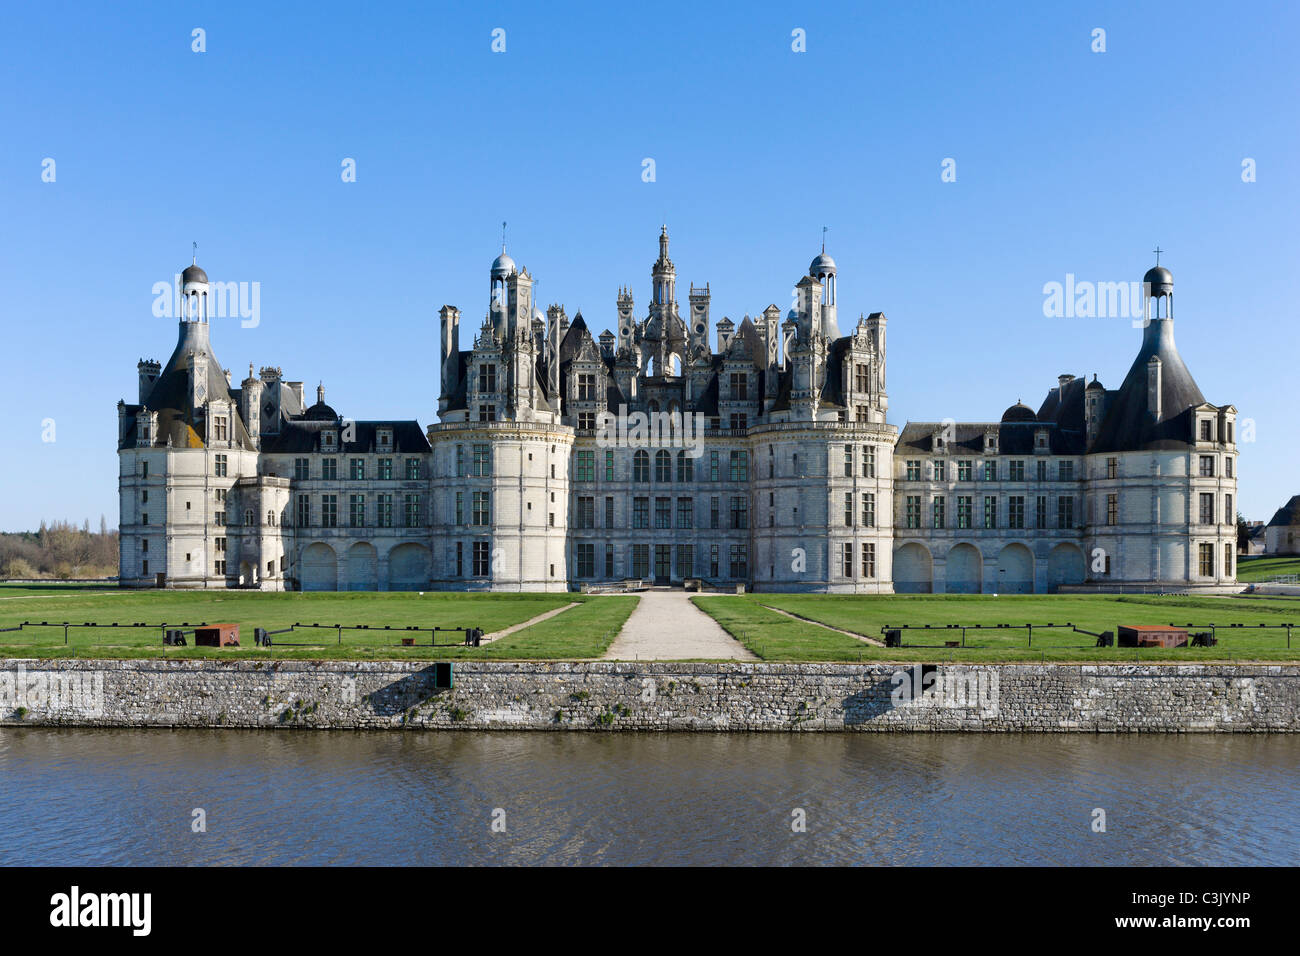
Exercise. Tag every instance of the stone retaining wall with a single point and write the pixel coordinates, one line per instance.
(652, 696)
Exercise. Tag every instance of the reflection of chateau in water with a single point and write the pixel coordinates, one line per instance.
(797, 481)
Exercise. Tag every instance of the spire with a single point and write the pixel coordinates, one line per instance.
(194, 259)
(320, 393)
(823, 239)
(503, 237)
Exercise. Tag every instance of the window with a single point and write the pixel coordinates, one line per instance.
(1065, 470)
(965, 470)
(1205, 429)
(1042, 470)
(739, 466)
(1227, 509)
(329, 511)
(939, 469)
(300, 469)
(1016, 511)
(1016, 470)
(685, 512)
(584, 466)
(357, 469)
(220, 428)
(739, 512)
(609, 560)
(1065, 511)
(303, 518)
(481, 513)
(739, 421)
(384, 516)
(1227, 560)
(713, 560)
(385, 439)
(869, 510)
(1040, 511)
(848, 559)
(861, 378)
(219, 567)
(848, 461)
(219, 466)
(460, 559)
(1207, 508)
(329, 469)
(713, 514)
(868, 560)
(663, 512)
(713, 467)
(481, 560)
(663, 467)
(585, 555)
(640, 560)
(412, 469)
(609, 465)
(641, 467)
(685, 561)
(412, 503)
(385, 469)
(1206, 555)
(609, 512)
(640, 512)
(487, 413)
(991, 470)
(587, 387)
(913, 511)
(685, 470)
(144, 469)
(1112, 509)
(144, 497)
(740, 386)
(1227, 467)
(1112, 468)
(585, 516)
(848, 509)
(990, 511)
(356, 511)
(487, 377)
(482, 463)
(938, 506)
(963, 511)
(739, 561)
(914, 471)
(460, 507)
(868, 461)
(1207, 466)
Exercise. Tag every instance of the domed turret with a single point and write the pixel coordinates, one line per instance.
(1159, 280)
(503, 266)
(1019, 412)
(823, 265)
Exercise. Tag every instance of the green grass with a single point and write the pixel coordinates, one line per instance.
(774, 637)
(1257, 568)
(557, 638)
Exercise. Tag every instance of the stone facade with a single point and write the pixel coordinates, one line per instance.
(756, 454)
(1159, 698)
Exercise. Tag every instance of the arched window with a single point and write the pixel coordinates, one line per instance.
(663, 467)
(641, 467)
(684, 468)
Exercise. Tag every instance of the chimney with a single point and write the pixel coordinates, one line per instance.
(450, 351)
(149, 371)
(1064, 380)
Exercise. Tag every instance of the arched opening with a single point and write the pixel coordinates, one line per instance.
(1015, 570)
(363, 568)
(963, 570)
(320, 568)
(1065, 565)
(913, 569)
(408, 568)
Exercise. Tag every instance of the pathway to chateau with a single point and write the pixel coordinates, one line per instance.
(666, 626)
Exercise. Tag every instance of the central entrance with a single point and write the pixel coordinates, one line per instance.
(663, 563)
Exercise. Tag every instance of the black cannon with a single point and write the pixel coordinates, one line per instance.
(1204, 639)
(1106, 639)
(174, 638)
(893, 637)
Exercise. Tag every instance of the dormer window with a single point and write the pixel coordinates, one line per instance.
(487, 377)
(385, 439)
(329, 440)
(1205, 429)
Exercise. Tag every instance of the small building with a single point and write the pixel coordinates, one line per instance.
(1151, 635)
(1283, 533)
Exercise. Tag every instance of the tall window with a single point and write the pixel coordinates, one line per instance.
(1112, 509)
(481, 465)
(329, 511)
(412, 469)
(412, 504)
(1065, 511)
(685, 471)
(1016, 511)
(1206, 563)
(868, 461)
(460, 461)
(300, 469)
(304, 511)
(329, 469)
(586, 560)
(584, 466)
(609, 465)
(1207, 508)
(713, 514)
(1112, 467)
(740, 466)
(357, 469)
(1065, 470)
(685, 512)
(1040, 511)
(739, 561)
(586, 515)
(914, 470)
(990, 511)
(848, 509)
(1227, 560)
(740, 386)
(848, 559)
(587, 387)
(914, 511)
(481, 510)
(939, 468)
(739, 512)
(482, 562)
(869, 510)
(963, 511)
(609, 512)
(219, 466)
(640, 513)
(965, 470)
(1227, 509)
(220, 429)
(663, 512)
(991, 470)
(869, 560)
(487, 378)
(385, 469)
(384, 516)
(356, 511)
(938, 507)
(663, 467)
(1016, 470)
(848, 461)
(641, 467)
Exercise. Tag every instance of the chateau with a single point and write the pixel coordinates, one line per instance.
(756, 454)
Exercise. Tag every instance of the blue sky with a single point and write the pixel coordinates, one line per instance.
(1067, 161)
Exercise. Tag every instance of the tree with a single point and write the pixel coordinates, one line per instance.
(1243, 534)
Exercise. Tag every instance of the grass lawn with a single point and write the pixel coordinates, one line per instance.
(579, 632)
(1257, 568)
(773, 636)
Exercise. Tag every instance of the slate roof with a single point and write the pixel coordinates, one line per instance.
(1287, 515)
(303, 435)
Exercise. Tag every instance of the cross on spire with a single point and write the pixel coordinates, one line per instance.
(1157, 250)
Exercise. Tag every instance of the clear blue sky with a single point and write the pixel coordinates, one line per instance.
(1067, 161)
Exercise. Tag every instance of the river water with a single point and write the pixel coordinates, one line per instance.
(128, 797)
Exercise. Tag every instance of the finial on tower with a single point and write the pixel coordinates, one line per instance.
(1157, 251)
(823, 238)
(503, 237)
(194, 260)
